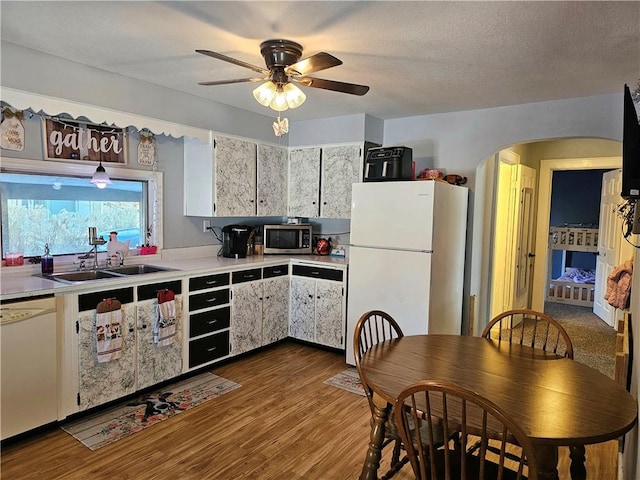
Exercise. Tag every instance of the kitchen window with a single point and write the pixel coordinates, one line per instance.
(57, 208)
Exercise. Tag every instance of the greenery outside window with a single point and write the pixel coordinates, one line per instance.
(58, 207)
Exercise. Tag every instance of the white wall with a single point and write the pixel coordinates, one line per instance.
(349, 128)
(631, 459)
(459, 141)
(32, 71)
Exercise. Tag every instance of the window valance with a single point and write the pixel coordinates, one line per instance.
(52, 106)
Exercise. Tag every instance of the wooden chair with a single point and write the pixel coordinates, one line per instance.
(530, 328)
(374, 327)
(457, 407)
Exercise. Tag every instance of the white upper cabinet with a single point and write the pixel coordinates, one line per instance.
(272, 181)
(239, 178)
(198, 178)
(320, 180)
(341, 167)
(304, 182)
(235, 177)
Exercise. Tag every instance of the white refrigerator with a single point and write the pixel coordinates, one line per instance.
(406, 255)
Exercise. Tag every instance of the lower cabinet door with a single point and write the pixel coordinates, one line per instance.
(246, 320)
(329, 314)
(302, 308)
(158, 361)
(206, 349)
(275, 309)
(100, 383)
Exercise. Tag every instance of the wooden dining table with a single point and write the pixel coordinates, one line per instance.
(557, 401)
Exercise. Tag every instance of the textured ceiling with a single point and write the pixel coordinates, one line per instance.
(417, 57)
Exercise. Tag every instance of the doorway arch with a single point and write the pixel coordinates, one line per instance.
(567, 153)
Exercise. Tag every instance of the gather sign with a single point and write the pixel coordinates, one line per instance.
(83, 141)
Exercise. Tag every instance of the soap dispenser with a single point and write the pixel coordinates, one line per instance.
(47, 260)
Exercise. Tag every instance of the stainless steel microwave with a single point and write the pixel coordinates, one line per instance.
(291, 239)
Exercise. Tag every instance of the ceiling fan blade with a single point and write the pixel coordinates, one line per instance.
(343, 87)
(314, 63)
(235, 80)
(220, 56)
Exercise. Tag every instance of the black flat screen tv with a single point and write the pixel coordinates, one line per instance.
(630, 149)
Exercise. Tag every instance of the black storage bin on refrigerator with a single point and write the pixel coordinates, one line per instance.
(388, 164)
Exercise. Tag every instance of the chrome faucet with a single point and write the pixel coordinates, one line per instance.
(120, 257)
(95, 241)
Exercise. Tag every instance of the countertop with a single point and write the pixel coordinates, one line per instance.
(21, 282)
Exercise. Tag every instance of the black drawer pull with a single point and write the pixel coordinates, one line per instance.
(211, 349)
(212, 299)
(211, 322)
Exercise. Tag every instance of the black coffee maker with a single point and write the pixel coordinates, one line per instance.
(234, 240)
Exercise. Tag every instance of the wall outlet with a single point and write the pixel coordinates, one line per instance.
(206, 226)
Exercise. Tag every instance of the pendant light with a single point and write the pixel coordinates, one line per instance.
(100, 178)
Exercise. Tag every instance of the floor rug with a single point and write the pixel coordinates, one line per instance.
(138, 413)
(348, 380)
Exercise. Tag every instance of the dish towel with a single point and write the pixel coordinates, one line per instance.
(164, 328)
(108, 330)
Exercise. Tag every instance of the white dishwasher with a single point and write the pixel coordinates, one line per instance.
(28, 398)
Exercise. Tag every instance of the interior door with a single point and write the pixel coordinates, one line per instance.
(525, 187)
(513, 238)
(609, 234)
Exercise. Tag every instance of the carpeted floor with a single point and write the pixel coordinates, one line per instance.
(594, 342)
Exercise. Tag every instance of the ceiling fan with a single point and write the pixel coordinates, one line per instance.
(283, 66)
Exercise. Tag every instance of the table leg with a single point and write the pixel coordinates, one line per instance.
(577, 469)
(547, 462)
(374, 454)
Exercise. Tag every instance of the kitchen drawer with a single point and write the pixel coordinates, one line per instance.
(209, 321)
(208, 299)
(246, 275)
(277, 271)
(89, 301)
(209, 348)
(209, 281)
(148, 292)
(318, 272)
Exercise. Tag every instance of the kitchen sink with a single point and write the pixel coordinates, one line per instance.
(79, 277)
(136, 269)
(83, 276)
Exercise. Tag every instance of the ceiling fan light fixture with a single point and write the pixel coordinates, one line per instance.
(294, 96)
(264, 93)
(279, 101)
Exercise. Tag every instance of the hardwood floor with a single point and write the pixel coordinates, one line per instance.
(283, 423)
